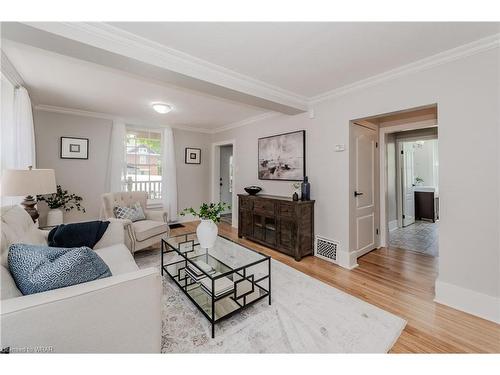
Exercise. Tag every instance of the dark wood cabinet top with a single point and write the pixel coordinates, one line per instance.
(275, 197)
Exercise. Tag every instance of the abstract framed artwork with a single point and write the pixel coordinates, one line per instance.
(74, 148)
(192, 156)
(282, 157)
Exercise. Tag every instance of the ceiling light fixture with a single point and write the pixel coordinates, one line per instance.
(161, 107)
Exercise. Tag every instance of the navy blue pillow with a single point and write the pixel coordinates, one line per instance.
(77, 234)
(38, 268)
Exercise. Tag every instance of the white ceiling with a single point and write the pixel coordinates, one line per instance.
(303, 59)
(62, 81)
(310, 58)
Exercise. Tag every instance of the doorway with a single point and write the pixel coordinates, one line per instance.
(402, 177)
(417, 192)
(226, 181)
(223, 179)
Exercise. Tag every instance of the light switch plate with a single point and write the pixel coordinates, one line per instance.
(339, 148)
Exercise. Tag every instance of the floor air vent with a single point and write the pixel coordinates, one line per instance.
(326, 249)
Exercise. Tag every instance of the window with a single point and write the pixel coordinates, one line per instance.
(144, 162)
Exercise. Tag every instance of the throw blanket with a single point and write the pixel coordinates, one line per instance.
(39, 268)
(77, 234)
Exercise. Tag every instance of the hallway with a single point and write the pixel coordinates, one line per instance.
(422, 236)
(227, 218)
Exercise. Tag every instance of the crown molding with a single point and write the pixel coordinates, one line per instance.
(105, 35)
(113, 117)
(115, 40)
(110, 38)
(148, 123)
(247, 121)
(441, 58)
(10, 72)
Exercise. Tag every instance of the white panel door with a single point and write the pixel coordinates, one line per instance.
(408, 181)
(225, 195)
(364, 194)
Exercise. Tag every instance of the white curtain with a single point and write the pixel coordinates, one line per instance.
(117, 160)
(25, 129)
(18, 133)
(169, 174)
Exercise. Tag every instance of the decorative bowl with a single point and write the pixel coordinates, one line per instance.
(253, 190)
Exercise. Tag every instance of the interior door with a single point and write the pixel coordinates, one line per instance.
(225, 191)
(408, 180)
(364, 183)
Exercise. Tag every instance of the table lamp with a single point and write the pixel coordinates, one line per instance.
(28, 182)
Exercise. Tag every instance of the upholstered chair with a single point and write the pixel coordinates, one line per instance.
(141, 234)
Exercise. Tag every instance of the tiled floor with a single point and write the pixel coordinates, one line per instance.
(422, 236)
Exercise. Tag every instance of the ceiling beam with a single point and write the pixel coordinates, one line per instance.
(109, 46)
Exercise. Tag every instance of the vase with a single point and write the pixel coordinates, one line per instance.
(305, 190)
(54, 217)
(207, 233)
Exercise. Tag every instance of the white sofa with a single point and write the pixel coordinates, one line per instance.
(119, 314)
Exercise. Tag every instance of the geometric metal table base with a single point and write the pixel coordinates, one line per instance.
(244, 273)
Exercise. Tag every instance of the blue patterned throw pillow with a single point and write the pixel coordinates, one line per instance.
(133, 213)
(39, 268)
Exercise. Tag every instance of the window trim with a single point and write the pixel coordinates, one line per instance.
(151, 203)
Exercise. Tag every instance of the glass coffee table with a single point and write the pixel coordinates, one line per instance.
(221, 280)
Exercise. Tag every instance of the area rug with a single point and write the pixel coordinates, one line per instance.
(306, 316)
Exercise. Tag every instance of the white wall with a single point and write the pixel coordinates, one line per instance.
(192, 179)
(88, 177)
(467, 94)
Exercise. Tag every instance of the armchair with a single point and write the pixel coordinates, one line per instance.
(140, 234)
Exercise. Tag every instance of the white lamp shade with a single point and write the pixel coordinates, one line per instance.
(21, 182)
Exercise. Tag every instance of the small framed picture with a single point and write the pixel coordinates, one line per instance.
(74, 148)
(193, 155)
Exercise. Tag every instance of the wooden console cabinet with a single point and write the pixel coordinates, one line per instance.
(277, 222)
(426, 205)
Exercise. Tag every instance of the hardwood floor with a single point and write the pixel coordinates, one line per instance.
(401, 282)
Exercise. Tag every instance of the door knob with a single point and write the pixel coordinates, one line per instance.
(356, 193)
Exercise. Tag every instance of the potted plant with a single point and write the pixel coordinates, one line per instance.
(59, 201)
(209, 213)
(419, 181)
(295, 191)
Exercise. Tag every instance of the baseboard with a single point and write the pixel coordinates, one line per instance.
(345, 260)
(469, 301)
(393, 225)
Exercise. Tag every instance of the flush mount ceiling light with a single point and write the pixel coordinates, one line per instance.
(161, 107)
